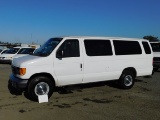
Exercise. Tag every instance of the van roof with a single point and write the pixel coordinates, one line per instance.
(110, 38)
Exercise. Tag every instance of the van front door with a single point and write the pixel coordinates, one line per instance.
(68, 63)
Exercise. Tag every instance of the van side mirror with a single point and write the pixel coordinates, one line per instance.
(59, 54)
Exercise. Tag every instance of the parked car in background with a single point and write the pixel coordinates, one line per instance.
(3, 51)
(10, 53)
(156, 55)
(24, 52)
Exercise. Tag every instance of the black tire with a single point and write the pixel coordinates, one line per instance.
(127, 80)
(40, 85)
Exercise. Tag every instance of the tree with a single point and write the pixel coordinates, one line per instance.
(151, 38)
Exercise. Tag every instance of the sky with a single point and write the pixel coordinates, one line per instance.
(28, 21)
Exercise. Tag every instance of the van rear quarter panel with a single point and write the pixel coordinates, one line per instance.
(141, 63)
(110, 68)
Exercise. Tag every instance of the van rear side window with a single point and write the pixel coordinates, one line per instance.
(127, 47)
(146, 48)
(155, 47)
(98, 47)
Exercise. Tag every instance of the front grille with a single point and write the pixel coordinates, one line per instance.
(15, 70)
(156, 59)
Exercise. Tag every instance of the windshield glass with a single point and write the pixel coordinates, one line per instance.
(4, 51)
(155, 47)
(47, 47)
(12, 51)
(26, 51)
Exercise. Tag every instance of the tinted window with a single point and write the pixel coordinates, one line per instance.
(155, 47)
(70, 48)
(98, 47)
(26, 51)
(4, 51)
(146, 48)
(127, 47)
(12, 51)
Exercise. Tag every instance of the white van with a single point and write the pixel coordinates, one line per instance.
(74, 60)
(9, 54)
(156, 55)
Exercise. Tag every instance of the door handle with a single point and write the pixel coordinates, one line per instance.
(80, 65)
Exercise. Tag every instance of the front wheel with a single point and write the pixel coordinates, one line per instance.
(40, 85)
(127, 80)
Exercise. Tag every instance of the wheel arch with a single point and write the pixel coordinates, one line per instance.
(42, 74)
(131, 80)
(131, 69)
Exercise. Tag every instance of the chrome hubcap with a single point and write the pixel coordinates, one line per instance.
(128, 80)
(41, 88)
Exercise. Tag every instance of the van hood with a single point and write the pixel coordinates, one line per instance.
(27, 60)
(156, 54)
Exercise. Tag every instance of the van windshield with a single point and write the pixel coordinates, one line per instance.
(47, 47)
(12, 51)
(155, 47)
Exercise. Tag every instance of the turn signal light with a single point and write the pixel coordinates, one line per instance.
(22, 71)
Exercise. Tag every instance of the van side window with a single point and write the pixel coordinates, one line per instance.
(155, 47)
(70, 48)
(127, 47)
(146, 48)
(98, 47)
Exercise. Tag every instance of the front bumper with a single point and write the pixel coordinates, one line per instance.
(17, 82)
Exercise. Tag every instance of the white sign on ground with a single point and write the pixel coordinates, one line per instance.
(43, 98)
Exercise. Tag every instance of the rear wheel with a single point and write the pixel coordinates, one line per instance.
(40, 85)
(127, 80)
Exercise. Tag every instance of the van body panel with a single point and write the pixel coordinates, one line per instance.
(68, 70)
